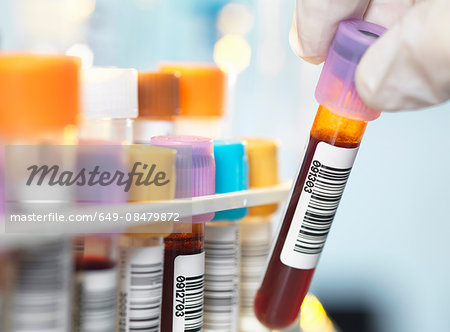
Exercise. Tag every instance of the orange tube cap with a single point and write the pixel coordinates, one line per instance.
(37, 93)
(202, 89)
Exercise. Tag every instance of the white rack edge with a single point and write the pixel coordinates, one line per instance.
(39, 234)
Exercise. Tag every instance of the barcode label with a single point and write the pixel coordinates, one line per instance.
(41, 301)
(255, 248)
(221, 277)
(95, 300)
(320, 197)
(141, 277)
(188, 289)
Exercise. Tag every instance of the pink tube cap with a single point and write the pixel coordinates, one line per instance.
(336, 89)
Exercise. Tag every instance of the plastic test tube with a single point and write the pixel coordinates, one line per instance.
(95, 256)
(109, 103)
(335, 137)
(39, 104)
(202, 95)
(184, 257)
(141, 248)
(222, 241)
(256, 229)
(159, 104)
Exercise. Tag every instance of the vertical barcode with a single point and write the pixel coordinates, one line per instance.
(140, 294)
(255, 248)
(319, 215)
(193, 316)
(145, 296)
(254, 257)
(95, 301)
(221, 277)
(42, 294)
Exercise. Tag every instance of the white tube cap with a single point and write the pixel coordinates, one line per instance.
(109, 92)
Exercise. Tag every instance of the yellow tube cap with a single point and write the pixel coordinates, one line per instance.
(161, 160)
(38, 93)
(263, 170)
(202, 89)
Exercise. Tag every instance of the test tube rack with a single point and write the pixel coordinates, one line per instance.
(38, 234)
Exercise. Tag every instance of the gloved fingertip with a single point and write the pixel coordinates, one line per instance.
(372, 93)
(364, 88)
(298, 49)
(313, 60)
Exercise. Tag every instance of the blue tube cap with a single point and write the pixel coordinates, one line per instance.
(231, 173)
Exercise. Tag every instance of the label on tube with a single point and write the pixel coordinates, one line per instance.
(188, 288)
(141, 277)
(221, 277)
(41, 301)
(320, 197)
(255, 247)
(95, 300)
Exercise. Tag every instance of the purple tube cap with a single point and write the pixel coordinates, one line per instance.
(336, 89)
(199, 145)
(195, 167)
(194, 162)
(108, 156)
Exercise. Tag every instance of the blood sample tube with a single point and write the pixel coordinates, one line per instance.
(184, 256)
(141, 248)
(334, 140)
(256, 229)
(39, 104)
(222, 241)
(159, 104)
(202, 96)
(95, 255)
(109, 103)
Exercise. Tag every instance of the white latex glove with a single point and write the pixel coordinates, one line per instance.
(406, 68)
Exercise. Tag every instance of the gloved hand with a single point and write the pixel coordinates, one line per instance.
(406, 68)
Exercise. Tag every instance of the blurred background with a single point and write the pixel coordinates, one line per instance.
(386, 263)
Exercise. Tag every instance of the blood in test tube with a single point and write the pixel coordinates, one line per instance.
(334, 140)
(95, 280)
(184, 256)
